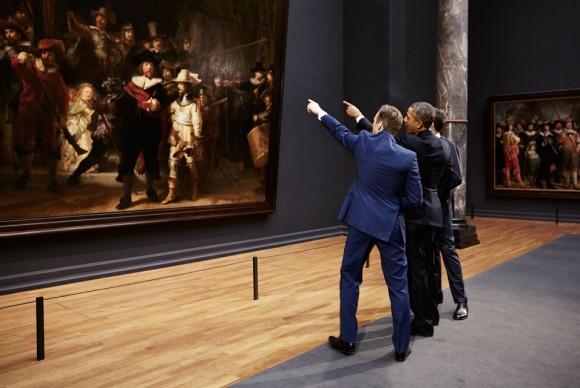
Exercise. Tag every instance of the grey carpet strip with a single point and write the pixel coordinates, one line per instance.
(523, 330)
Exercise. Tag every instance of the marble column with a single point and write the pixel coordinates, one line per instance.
(452, 95)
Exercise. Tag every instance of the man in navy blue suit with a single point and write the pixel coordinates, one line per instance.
(387, 182)
(445, 243)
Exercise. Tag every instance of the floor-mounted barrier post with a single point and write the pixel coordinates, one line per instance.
(255, 262)
(40, 328)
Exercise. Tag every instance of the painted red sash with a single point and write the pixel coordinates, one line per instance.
(141, 96)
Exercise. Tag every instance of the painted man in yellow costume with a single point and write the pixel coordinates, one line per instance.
(185, 137)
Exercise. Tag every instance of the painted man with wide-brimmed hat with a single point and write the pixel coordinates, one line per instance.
(185, 137)
(140, 106)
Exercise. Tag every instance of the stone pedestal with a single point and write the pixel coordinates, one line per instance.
(465, 235)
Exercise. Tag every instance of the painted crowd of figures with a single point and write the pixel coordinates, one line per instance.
(538, 155)
(98, 93)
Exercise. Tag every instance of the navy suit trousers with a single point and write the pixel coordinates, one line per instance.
(445, 248)
(394, 265)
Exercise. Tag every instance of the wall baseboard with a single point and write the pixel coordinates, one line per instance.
(528, 215)
(71, 274)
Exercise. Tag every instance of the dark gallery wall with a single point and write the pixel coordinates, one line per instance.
(369, 52)
(517, 47)
(390, 49)
(310, 184)
(334, 49)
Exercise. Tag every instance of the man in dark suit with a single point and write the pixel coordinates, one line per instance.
(445, 244)
(434, 158)
(387, 182)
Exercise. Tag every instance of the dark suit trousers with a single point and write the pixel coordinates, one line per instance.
(446, 247)
(423, 278)
(394, 266)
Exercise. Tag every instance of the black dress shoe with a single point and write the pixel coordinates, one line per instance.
(22, 181)
(424, 332)
(124, 203)
(152, 195)
(73, 180)
(461, 311)
(402, 356)
(342, 346)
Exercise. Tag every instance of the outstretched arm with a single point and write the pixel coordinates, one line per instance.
(362, 123)
(351, 110)
(338, 130)
(314, 108)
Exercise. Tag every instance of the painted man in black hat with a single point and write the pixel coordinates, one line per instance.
(23, 17)
(159, 44)
(15, 42)
(258, 85)
(99, 57)
(140, 106)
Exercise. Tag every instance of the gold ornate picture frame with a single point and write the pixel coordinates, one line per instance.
(229, 39)
(533, 145)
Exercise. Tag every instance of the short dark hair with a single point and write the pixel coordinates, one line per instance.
(439, 120)
(424, 112)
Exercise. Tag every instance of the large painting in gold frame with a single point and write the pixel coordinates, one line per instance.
(237, 40)
(534, 143)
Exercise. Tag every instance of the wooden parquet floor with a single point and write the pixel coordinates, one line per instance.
(199, 325)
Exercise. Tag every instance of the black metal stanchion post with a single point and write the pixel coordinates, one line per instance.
(255, 260)
(40, 328)
(557, 215)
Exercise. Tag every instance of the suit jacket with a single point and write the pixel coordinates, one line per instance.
(387, 180)
(451, 179)
(452, 176)
(434, 158)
